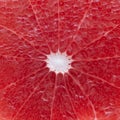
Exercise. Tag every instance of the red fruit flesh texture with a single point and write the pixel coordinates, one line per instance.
(89, 30)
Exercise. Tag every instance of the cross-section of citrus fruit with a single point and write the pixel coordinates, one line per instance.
(59, 59)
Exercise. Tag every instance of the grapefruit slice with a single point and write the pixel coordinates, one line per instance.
(59, 60)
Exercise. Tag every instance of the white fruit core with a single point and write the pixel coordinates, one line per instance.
(59, 62)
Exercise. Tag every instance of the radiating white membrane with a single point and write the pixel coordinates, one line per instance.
(59, 62)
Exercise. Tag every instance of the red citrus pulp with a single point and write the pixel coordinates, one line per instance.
(59, 59)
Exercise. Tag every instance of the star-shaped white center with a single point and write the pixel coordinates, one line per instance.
(59, 62)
